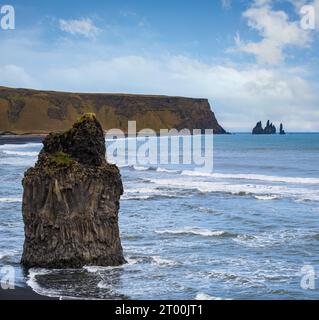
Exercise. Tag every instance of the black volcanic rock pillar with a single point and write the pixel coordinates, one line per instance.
(71, 202)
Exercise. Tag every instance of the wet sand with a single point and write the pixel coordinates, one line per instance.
(21, 294)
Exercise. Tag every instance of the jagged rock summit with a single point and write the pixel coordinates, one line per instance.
(84, 143)
(258, 129)
(269, 129)
(71, 202)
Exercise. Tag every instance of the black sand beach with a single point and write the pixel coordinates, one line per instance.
(21, 294)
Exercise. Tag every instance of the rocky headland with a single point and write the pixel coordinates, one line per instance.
(71, 202)
(25, 111)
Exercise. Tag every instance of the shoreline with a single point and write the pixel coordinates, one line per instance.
(22, 293)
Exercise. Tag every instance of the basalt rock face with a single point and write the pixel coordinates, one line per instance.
(24, 111)
(71, 202)
(258, 129)
(281, 130)
(269, 129)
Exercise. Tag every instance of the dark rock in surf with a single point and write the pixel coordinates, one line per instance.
(71, 202)
(269, 129)
(258, 128)
(281, 130)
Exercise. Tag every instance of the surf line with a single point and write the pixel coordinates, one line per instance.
(138, 311)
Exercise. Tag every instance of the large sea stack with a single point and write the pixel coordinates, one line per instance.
(71, 202)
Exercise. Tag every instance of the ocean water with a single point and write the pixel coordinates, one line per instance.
(242, 232)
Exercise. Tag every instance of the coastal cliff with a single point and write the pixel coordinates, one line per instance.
(24, 111)
(71, 202)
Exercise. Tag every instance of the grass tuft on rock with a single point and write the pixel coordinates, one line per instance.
(61, 158)
(87, 116)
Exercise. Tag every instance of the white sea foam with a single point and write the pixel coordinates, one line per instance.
(151, 189)
(94, 269)
(240, 189)
(18, 161)
(20, 146)
(267, 197)
(194, 231)
(10, 200)
(4, 254)
(104, 285)
(135, 197)
(293, 180)
(140, 168)
(163, 262)
(204, 296)
(130, 261)
(21, 153)
(32, 282)
(270, 239)
(146, 193)
(167, 170)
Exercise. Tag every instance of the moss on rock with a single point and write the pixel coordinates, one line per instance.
(61, 158)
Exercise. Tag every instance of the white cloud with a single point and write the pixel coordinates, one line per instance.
(240, 96)
(82, 27)
(277, 33)
(12, 75)
(316, 5)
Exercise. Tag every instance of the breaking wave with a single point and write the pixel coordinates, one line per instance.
(197, 232)
(163, 262)
(293, 180)
(10, 200)
(32, 282)
(267, 197)
(20, 146)
(21, 153)
(262, 192)
(205, 296)
(148, 193)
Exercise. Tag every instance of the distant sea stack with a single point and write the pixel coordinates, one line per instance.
(269, 129)
(24, 111)
(281, 130)
(258, 128)
(71, 202)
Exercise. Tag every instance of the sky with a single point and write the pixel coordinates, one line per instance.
(252, 59)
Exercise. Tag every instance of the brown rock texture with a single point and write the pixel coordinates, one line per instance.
(24, 111)
(71, 202)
